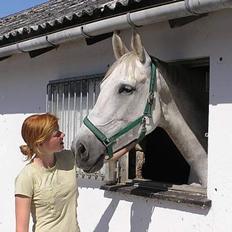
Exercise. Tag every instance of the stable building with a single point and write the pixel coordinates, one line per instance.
(53, 58)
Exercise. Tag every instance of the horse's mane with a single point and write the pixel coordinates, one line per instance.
(127, 59)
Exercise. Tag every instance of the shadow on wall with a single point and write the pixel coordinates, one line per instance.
(140, 216)
(141, 210)
(103, 224)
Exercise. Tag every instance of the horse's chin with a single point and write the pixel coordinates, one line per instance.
(97, 165)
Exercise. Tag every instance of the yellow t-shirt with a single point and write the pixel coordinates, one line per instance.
(54, 194)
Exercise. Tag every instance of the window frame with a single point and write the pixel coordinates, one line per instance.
(185, 194)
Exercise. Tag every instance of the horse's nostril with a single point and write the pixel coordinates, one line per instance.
(83, 153)
(81, 148)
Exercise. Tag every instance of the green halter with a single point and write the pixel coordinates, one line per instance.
(109, 142)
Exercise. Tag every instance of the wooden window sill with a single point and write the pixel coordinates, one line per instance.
(185, 194)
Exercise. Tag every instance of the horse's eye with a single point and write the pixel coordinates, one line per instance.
(126, 89)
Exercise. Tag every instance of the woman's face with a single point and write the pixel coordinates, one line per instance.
(53, 144)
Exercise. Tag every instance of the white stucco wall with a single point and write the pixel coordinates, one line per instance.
(22, 91)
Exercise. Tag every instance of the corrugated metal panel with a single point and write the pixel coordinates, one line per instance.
(71, 100)
(59, 15)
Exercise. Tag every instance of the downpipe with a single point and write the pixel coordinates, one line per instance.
(134, 19)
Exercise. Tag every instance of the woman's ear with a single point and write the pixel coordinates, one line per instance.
(37, 147)
(119, 47)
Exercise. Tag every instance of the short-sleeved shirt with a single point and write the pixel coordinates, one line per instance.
(53, 192)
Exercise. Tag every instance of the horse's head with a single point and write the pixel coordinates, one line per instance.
(118, 116)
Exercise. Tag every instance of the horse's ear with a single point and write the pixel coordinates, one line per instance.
(118, 46)
(136, 45)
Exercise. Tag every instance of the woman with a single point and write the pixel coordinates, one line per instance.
(46, 186)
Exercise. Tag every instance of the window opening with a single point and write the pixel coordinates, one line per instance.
(157, 158)
(156, 168)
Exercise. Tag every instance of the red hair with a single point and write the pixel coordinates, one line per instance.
(36, 129)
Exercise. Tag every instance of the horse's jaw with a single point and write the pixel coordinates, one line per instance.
(89, 152)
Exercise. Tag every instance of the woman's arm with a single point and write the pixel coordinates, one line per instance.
(22, 212)
(123, 151)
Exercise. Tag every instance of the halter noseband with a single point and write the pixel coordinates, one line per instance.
(109, 142)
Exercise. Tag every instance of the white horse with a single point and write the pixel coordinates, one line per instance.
(119, 118)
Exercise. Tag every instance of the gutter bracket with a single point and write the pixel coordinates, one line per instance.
(52, 44)
(130, 22)
(189, 8)
(84, 34)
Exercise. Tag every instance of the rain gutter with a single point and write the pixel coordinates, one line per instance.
(138, 18)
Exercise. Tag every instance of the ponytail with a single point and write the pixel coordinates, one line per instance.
(27, 151)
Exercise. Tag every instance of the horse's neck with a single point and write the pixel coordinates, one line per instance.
(175, 121)
(181, 134)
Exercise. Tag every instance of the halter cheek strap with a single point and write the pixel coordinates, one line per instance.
(109, 142)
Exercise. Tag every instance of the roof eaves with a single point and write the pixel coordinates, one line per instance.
(73, 19)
